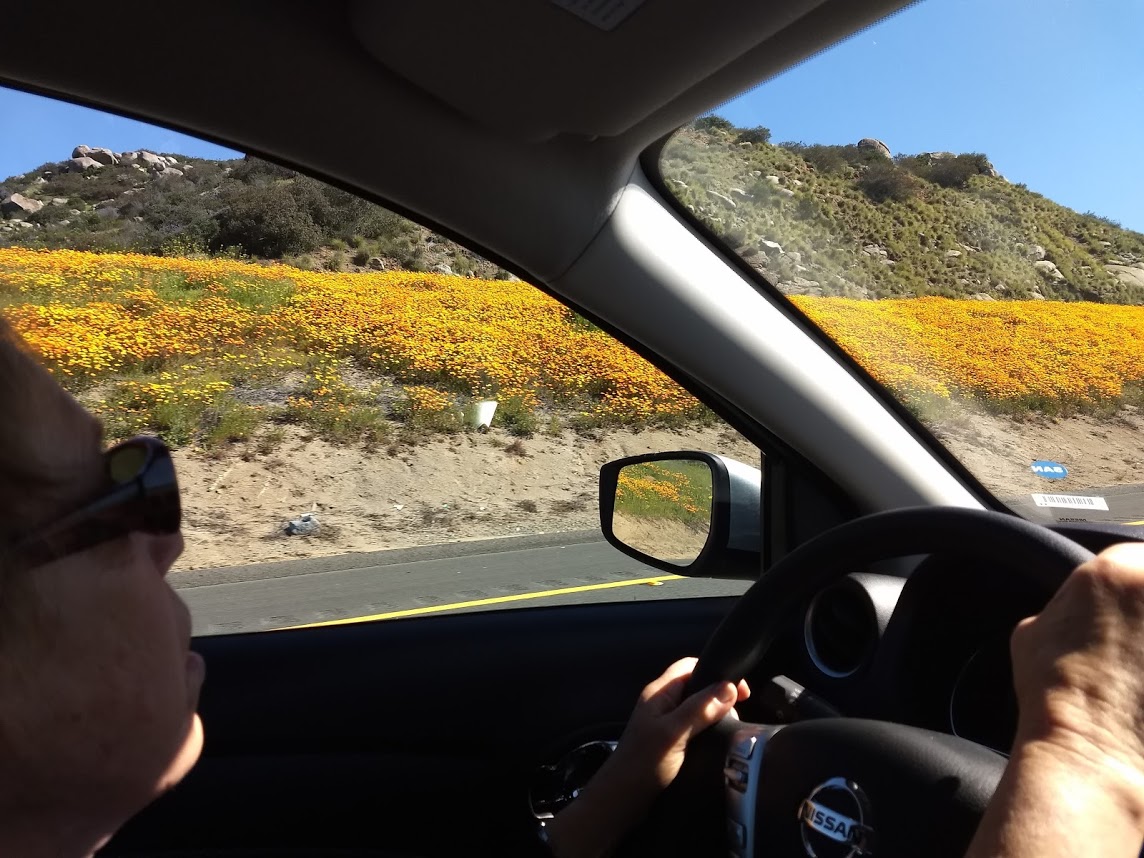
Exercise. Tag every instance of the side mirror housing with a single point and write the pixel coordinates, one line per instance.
(691, 513)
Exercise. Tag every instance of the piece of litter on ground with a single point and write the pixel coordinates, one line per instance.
(654, 583)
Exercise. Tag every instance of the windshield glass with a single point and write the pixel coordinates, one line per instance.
(960, 209)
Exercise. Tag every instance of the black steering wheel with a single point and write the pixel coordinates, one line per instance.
(843, 787)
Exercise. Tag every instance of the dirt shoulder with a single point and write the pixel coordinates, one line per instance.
(455, 488)
(1098, 451)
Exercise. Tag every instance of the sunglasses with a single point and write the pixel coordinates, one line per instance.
(142, 495)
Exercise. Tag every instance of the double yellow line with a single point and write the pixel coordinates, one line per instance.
(493, 600)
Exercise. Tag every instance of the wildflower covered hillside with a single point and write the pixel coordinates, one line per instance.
(208, 351)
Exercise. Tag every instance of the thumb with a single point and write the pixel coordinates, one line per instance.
(702, 709)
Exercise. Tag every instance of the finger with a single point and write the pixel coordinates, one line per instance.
(744, 690)
(669, 695)
(701, 710)
(676, 670)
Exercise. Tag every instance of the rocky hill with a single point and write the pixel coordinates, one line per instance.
(169, 204)
(854, 220)
(815, 219)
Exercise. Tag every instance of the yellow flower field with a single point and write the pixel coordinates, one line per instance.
(1035, 354)
(163, 340)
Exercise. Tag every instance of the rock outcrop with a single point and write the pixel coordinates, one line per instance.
(18, 205)
(877, 146)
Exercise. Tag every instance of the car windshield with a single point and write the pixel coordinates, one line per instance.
(960, 209)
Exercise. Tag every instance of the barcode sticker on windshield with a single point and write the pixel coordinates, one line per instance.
(1071, 501)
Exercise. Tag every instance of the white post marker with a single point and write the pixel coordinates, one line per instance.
(482, 414)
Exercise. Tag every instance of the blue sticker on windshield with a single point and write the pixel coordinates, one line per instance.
(1050, 470)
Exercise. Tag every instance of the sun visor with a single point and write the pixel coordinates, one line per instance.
(535, 69)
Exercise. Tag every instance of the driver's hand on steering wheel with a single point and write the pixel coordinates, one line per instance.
(646, 761)
(1078, 670)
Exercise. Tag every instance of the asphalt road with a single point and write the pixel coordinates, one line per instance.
(490, 574)
(551, 569)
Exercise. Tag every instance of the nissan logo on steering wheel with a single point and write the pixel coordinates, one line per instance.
(835, 821)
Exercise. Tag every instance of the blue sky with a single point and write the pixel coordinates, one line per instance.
(1052, 92)
(48, 130)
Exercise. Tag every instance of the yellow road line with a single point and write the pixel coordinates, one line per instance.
(1135, 522)
(494, 600)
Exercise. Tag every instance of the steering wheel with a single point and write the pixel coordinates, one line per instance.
(843, 787)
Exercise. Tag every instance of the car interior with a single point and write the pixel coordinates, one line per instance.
(874, 553)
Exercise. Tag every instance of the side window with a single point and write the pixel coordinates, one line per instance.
(367, 419)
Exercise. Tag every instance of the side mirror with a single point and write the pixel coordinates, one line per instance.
(691, 513)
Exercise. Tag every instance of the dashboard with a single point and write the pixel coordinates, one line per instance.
(930, 650)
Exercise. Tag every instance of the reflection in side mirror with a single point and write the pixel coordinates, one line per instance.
(663, 509)
(686, 512)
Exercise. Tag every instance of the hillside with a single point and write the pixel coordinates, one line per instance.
(844, 220)
(852, 220)
(172, 205)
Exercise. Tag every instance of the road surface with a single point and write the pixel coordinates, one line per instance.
(518, 572)
(550, 569)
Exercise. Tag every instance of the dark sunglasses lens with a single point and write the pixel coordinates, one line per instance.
(126, 463)
(149, 462)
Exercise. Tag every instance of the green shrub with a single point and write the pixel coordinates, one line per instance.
(758, 134)
(712, 123)
(886, 181)
(515, 416)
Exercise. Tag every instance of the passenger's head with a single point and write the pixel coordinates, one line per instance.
(98, 689)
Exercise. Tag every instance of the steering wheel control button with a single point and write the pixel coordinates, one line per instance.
(744, 748)
(736, 835)
(736, 778)
(835, 821)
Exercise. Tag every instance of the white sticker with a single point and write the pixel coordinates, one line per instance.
(1071, 501)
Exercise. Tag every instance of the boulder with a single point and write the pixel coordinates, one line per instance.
(723, 198)
(376, 263)
(83, 164)
(18, 205)
(982, 296)
(168, 173)
(794, 256)
(741, 194)
(151, 159)
(80, 151)
(104, 156)
(1126, 274)
(59, 201)
(785, 192)
(128, 157)
(442, 268)
(774, 180)
(875, 250)
(802, 286)
(876, 146)
(771, 245)
(952, 254)
(1048, 270)
(1034, 251)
